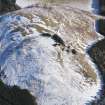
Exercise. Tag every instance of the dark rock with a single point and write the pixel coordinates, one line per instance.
(58, 40)
(15, 96)
(99, 6)
(100, 26)
(46, 34)
(97, 52)
(8, 2)
(7, 6)
(73, 51)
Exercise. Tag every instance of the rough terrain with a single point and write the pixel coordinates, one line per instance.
(44, 50)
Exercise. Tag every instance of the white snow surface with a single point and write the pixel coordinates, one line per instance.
(32, 62)
(80, 4)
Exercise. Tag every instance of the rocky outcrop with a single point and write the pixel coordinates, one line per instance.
(99, 6)
(15, 96)
(7, 6)
(97, 52)
(100, 26)
(44, 50)
(102, 7)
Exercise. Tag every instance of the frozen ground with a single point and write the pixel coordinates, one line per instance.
(81, 4)
(57, 71)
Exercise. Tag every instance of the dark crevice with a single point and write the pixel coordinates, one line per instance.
(58, 40)
(73, 51)
(56, 44)
(68, 49)
(46, 34)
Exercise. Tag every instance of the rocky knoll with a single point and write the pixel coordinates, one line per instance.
(44, 50)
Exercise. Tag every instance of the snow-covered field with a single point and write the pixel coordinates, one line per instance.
(81, 4)
(55, 73)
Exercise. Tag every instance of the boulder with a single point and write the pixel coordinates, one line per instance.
(7, 6)
(15, 96)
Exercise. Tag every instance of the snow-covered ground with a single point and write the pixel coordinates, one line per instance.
(49, 70)
(81, 4)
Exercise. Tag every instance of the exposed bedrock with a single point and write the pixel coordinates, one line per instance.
(100, 26)
(8, 2)
(97, 53)
(15, 96)
(7, 6)
(102, 7)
